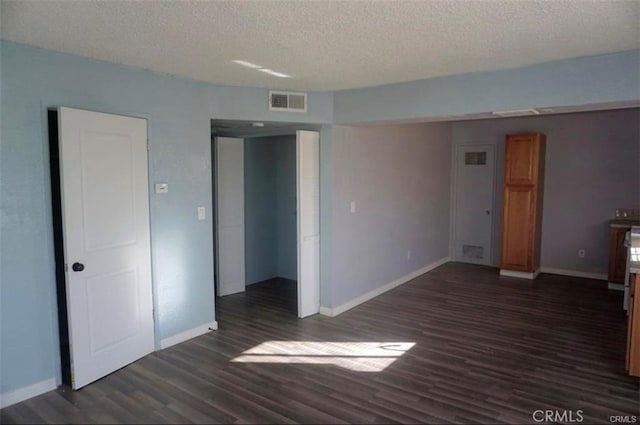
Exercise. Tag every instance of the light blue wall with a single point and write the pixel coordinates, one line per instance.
(287, 241)
(251, 103)
(399, 178)
(270, 208)
(581, 81)
(260, 209)
(178, 113)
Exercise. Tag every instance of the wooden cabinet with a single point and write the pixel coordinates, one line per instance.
(633, 328)
(522, 155)
(617, 254)
(522, 204)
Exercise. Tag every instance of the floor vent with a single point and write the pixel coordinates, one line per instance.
(287, 101)
(472, 252)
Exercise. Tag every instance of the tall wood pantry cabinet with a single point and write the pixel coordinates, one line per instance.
(522, 205)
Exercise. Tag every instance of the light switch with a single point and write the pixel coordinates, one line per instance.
(201, 213)
(162, 187)
(353, 206)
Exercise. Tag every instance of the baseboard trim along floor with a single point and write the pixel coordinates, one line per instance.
(332, 312)
(519, 275)
(188, 334)
(24, 393)
(574, 273)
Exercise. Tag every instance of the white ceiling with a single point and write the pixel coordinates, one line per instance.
(324, 45)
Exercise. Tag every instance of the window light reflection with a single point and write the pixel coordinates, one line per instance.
(356, 356)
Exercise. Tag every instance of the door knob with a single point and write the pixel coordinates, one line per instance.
(77, 267)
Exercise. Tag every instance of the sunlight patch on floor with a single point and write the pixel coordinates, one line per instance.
(356, 356)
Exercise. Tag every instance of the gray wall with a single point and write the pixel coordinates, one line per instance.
(592, 168)
(270, 205)
(399, 177)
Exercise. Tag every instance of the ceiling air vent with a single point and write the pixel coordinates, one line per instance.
(287, 101)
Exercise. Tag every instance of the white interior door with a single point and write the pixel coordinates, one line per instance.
(230, 216)
(105, 208)
(474, 186)
(308, 197)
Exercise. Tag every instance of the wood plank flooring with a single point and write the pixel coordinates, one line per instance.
(488, 349)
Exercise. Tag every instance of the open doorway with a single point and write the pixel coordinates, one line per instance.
(264, 175)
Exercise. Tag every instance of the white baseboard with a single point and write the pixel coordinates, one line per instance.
(520, 275)
(187, 335)
(574, 273)
(24, 393)
(615, 286)
(332, 312)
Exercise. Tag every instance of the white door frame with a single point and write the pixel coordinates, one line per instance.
(217, 227)
(454, 197)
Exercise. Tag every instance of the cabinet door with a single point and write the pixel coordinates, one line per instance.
(630, 319)
(517, 228)
(633, 356)
(521, 159)
(617, 255)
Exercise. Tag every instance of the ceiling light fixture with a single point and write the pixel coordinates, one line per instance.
(279, 74)
(247, 64)
(260, 68)
(274, 73)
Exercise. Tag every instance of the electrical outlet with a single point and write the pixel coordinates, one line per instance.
(352, 207)
(409, 254)
(201, 213)
(582, 252)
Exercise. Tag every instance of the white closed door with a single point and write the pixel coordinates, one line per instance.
(308, 197)
(230, 215)
(105, 207)
(473, 214)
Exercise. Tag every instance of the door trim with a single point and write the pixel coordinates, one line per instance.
(454, 198)
(214, 171)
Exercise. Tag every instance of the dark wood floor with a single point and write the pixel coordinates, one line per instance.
(488, 349)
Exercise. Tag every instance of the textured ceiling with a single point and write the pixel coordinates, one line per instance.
(324, 45)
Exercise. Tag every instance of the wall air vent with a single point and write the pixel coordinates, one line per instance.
(287, 101)
(516, 113)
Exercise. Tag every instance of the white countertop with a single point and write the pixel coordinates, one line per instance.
(634, 246)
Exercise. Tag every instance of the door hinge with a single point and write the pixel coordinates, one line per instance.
(147, 145)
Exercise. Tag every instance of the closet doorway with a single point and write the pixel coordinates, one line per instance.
(266, 197)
